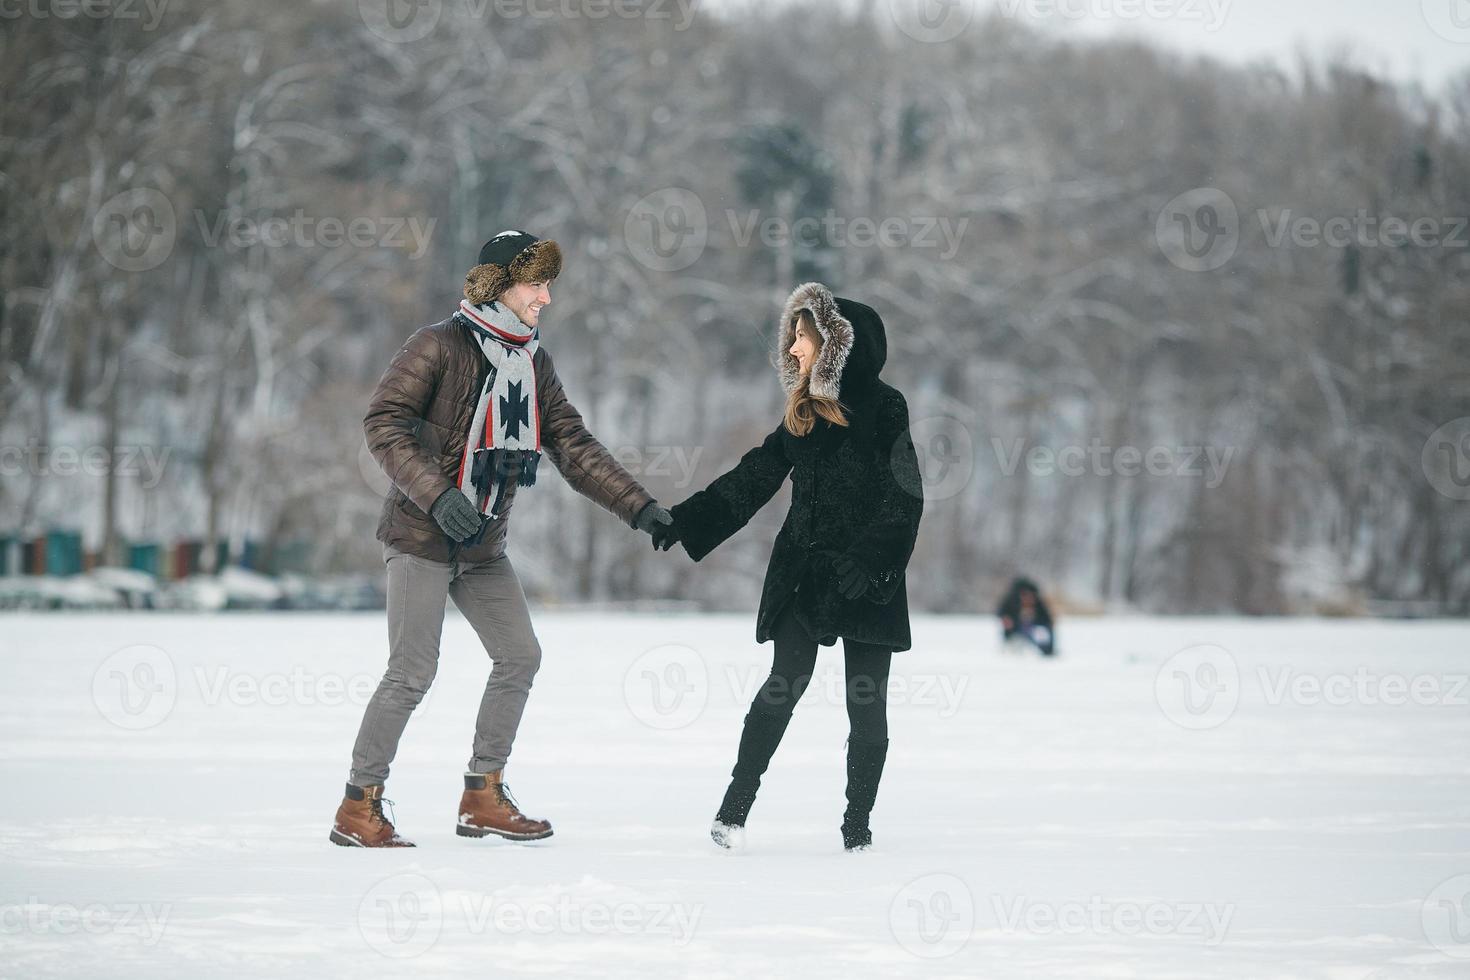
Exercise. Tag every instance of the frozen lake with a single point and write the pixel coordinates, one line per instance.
(1171, 798)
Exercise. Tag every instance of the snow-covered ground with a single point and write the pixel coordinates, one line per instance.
(1170, 798)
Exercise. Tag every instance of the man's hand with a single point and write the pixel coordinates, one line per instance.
(659, 524)
(456, 515)
(852, 578)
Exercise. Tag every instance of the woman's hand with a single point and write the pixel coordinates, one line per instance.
(852, 578)
(665, 536)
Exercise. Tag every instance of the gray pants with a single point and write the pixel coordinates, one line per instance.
(490, 597)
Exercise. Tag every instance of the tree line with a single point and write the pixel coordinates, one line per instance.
(1175, 335)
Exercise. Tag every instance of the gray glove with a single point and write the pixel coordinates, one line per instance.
(456, 515)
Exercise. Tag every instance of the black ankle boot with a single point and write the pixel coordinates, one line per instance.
(758, 741)
(864, 770)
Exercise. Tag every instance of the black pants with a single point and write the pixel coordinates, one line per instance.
(791, 672)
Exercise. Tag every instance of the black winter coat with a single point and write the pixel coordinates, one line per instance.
(856, 489)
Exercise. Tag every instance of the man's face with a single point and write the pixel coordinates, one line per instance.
(525, 300)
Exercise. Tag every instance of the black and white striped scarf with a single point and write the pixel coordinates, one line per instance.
(504, 441)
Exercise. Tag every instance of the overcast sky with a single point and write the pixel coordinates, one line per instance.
(1408, 40)
(1412, 40)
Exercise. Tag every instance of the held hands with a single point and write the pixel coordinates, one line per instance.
(659, 524)
(665, 536)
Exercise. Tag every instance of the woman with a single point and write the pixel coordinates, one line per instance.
(837, 568)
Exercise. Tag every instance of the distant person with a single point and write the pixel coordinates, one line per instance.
(1026, 619)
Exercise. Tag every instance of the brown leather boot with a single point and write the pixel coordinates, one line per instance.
(360, 821)
(488, 808)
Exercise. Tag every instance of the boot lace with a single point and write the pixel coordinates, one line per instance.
(376, 804)
(503, 792)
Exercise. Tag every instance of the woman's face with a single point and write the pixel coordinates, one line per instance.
(804, 347)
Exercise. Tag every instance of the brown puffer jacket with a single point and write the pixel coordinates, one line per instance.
(416, 428)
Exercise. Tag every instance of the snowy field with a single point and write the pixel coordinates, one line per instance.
(1171, 798)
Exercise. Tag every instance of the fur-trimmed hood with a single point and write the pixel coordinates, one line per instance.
(854, 343)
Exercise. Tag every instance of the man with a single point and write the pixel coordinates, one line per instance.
(458, 423)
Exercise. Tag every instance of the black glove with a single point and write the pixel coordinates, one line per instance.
(665, 536)
(852, 578)
(456, 515)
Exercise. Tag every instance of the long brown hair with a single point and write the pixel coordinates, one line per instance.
(803, 407)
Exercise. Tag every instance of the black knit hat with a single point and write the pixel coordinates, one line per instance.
(504, 247)
(511, 257)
